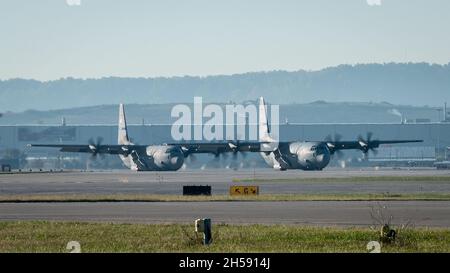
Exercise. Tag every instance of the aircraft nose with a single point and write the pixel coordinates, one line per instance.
(176, 160)
(320, 158)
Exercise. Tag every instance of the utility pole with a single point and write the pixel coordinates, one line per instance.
(445, 112)
(439, 110)
(438, 140)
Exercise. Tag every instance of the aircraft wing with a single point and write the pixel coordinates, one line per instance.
(362, 145)
(217, 147)
(187, 147)
(95, 149)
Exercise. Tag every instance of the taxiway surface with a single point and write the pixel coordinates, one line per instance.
(324, 213)
(129, 182)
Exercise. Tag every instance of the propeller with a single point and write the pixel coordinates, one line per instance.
(235, 149)
(229, 159)
(368, 144)
(216, 162)
(329, 139)
(95, 147)
(189, 154)
(192, 158)
(337, 137)
(233, 163)
(223, 155)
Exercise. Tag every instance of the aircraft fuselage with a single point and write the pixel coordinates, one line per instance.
(298, 155)
(155, 158)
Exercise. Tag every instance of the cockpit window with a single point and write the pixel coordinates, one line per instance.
(321, 149)
(313, 148)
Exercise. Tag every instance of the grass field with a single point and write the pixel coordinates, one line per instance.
(104, 237)
(215, 198)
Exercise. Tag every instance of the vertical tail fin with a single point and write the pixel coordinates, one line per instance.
(123, 131)
(264, 132)
(268, 143)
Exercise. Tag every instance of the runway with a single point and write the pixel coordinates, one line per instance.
(330, 213)
(129, 182)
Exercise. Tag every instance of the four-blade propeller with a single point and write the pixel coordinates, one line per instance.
(95, 146)
(368, 144)
(333, 151)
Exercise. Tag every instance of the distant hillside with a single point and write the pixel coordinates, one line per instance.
(316, 112)
(406, 84)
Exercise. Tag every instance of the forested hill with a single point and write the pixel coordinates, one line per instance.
(316, 112)
(414, 84)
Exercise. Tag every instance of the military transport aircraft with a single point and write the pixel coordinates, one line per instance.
(308, 155)
(304, 155)
(166, 157)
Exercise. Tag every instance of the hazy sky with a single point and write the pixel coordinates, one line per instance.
(50, 39)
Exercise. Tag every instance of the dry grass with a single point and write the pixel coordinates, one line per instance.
(105, 237)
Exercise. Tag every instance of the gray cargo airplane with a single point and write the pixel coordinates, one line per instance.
(304, 155)
(166, 157)
(308, 155)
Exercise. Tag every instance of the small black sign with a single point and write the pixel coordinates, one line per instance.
(196, 190)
